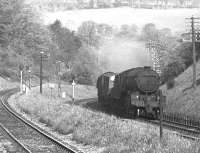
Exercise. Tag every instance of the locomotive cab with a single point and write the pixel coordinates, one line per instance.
(104, 85)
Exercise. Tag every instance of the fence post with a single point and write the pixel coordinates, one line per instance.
(161, 102)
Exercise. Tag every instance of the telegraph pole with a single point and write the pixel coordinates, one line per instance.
(193, 20)
(29, 75)
(161, 114)
(194, 53)
(21, 81)
(59, 79)
(41, 53)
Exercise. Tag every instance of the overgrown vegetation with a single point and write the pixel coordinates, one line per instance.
(23, 38)
(183, 98)
(109, 132)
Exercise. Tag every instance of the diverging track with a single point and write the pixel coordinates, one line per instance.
(28, 136)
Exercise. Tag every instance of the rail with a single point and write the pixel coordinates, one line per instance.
(58, 142)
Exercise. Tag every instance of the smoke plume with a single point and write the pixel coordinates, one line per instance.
(122, 54)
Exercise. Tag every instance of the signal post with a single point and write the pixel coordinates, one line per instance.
(73, 90)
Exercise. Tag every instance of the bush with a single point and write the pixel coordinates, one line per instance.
(170, 83)
(172, 70)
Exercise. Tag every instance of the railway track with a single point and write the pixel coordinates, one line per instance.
(14, 144)
(181, 129)
(31, 137)
(37, 140)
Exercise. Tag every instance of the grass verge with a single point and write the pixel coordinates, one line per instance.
(109, 132)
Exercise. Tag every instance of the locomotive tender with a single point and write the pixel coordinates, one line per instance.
(133, 92)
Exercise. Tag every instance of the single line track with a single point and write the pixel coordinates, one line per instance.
(183, 130)
(18, 125)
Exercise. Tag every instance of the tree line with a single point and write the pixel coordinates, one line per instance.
(23, 37)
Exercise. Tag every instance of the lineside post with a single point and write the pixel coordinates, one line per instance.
(41, 53)
(21, 83)
(161, 114)
(73, 90)
(29, 81)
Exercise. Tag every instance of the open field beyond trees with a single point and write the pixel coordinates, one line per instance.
(5, 84)
(95, 128)
(170, 18)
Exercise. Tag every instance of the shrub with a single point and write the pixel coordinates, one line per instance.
(170, 83)
(172, 70)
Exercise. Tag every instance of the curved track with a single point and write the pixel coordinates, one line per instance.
(37, 140)
(32, 137)
(183, 130)
(14, 144)
(180, 130)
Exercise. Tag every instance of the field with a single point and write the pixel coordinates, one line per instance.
(5, 84)
(94, 128)
(171, 18)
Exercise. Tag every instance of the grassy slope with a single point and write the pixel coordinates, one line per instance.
(182, 98)
(88, 127)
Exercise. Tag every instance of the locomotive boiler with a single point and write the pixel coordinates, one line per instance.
(133, 92)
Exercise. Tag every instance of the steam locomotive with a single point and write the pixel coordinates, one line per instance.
(133, 92)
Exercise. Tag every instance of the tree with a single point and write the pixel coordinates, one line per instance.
(166, 3)
(85, 67)
(89, 34)
(185, 52)
(68, 44)
(3, 34)
(182, 2)
(104, 29)
(66, 40)
(91, 3)
(25, 36)
(80, 3)
(149, 32)
(128, 31)
(172, 70)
